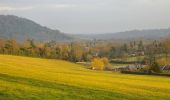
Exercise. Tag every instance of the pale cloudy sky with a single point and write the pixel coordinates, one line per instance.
(92, 16)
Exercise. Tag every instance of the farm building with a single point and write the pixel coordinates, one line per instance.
(165, 68)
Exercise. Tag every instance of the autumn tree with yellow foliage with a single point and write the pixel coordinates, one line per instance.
(163, 61)
(99, 63)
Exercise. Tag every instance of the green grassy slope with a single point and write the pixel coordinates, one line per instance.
(24, 78)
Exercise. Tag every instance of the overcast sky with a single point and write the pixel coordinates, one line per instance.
(92, 16)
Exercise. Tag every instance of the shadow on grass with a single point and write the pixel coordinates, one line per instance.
(68, 92)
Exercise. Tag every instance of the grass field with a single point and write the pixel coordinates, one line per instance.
(24, 78)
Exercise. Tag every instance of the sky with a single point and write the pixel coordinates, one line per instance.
(92, 16)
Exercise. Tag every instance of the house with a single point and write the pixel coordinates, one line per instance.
(137, 53)
(136, 67)
(165, 68)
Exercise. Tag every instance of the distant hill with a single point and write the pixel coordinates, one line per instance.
(13, 27)
(22, 29)
(134, 34)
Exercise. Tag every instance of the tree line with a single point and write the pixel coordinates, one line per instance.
(84, 50)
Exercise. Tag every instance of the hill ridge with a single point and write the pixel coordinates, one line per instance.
(21, 29)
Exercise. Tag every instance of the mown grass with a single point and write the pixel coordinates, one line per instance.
(24, 78)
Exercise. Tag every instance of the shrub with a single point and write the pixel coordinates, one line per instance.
(155, 67)
(99, 63)
(105, 61)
